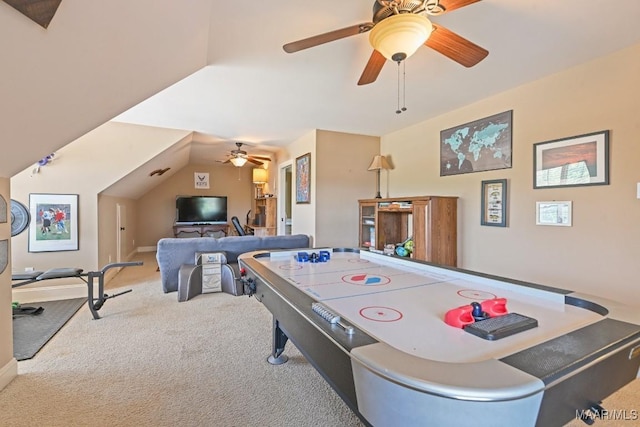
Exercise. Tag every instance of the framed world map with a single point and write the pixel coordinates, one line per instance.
(477, 146)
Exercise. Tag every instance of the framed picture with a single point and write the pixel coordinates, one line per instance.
(481, 145)
(303, 179)
(569, 162)
(54, 222)
(494, 203)
(553, 213)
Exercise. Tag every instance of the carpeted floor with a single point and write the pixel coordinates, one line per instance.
(32, 332)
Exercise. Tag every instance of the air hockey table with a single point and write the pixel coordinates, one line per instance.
(387, 351)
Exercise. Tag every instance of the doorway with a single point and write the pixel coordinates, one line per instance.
(284, 198)
(121, 232)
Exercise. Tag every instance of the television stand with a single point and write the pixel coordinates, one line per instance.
(201, 229)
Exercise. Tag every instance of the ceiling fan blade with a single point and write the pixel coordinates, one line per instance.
(266, 159)
(327, 37)
(449, 5)
(255, 162)
(372, 69)
(455, 47)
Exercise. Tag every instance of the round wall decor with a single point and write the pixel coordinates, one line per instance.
(20, 217)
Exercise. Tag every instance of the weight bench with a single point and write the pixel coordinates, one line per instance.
(95, 303)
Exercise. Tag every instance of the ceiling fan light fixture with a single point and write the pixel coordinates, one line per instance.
(399, 36)
(238, 161)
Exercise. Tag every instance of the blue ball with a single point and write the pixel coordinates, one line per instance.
(401, 251)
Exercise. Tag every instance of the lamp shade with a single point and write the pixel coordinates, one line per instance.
(400, 35)
(260, 176)
(238, 161)
(379, 162)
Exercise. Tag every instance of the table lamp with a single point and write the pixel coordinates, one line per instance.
(379, 162)
(260, 178)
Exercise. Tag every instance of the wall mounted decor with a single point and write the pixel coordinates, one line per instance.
(303, 179)
(573, 161)
(20, 217)
(554, 213)
(494, 203)
(477, 146)
(54, 225)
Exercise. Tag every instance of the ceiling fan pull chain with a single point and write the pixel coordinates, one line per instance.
(404, 86)
(398, 111)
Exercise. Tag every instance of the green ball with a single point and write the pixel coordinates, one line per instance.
(409, 246)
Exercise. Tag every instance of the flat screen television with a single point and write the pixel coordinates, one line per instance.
(201, 210)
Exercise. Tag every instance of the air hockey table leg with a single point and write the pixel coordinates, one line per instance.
(279, 341)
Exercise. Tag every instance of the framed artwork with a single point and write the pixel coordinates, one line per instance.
(574, 161)
(54, 222)
(553, 213)
(478, 146)
(303, 179)
(494, 203)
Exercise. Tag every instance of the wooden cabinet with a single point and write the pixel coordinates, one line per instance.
(431, 222)
(265, 222)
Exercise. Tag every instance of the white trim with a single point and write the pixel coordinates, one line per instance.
(147, 248)
(27, 295)
(281, 192)
(8, 372)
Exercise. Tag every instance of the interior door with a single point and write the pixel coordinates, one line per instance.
(121, 232)
(284, 198)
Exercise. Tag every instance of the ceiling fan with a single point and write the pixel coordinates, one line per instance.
(239, 157)
(398, 29)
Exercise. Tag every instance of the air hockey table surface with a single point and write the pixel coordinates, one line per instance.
(412, 362)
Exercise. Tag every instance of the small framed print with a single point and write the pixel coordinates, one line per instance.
(553, 213)
(494, 203)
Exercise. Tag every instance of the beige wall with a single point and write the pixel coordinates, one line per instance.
(8, 365)
(599, 254)
(339, 177)
(304, 214)
(156, 209)
(86, 167)
(342, 161)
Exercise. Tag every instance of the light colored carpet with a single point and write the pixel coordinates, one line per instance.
(151, 361)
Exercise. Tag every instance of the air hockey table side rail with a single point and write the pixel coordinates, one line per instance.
(546, 385)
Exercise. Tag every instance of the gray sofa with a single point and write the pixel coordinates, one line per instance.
(172, 253)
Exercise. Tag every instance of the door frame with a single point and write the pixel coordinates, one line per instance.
(282, 195)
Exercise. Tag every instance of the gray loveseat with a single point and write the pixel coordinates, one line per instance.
(172, 253)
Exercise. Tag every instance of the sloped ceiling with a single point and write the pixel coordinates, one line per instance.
(253, 91)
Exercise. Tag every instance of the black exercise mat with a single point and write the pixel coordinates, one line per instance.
(31, 333)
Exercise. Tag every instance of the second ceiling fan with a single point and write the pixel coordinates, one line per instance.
(239, 157)
(398, 29)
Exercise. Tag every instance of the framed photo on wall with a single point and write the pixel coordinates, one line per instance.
(554, 213)
(303, 178)
(477, 146)
(570, 162)
(54, 222)
(494, 203)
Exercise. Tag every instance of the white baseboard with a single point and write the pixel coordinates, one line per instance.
(8, 372)
(147, 248)
(49, 293)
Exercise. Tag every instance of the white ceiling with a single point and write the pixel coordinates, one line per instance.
(254, 92)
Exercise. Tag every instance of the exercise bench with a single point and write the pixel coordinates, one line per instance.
(95, 303)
